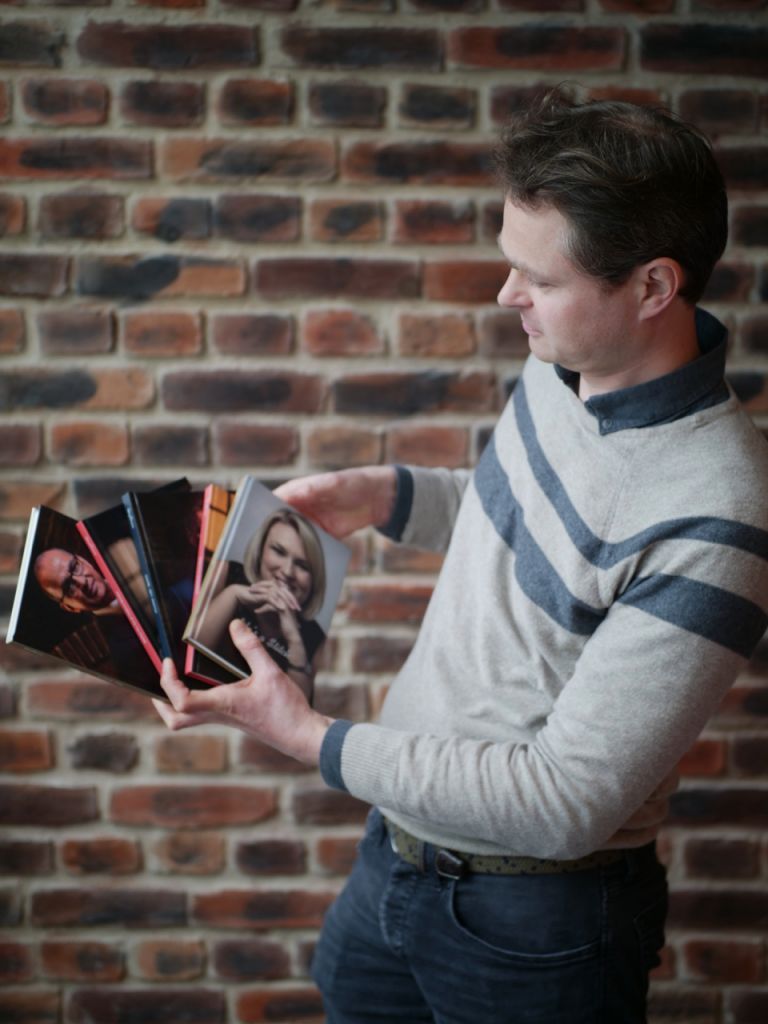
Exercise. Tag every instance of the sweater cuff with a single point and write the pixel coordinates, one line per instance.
(395, 525)
(330, 754)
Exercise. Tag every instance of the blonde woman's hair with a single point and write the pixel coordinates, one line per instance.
(312, 547)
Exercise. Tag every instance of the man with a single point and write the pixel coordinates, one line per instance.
(605, 580)
(74, 583)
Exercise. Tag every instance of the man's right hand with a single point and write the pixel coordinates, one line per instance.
(344, 501)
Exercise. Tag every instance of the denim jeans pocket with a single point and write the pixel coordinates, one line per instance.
(649, 926)
(532, 919)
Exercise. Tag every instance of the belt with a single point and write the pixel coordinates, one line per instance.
(455, 864)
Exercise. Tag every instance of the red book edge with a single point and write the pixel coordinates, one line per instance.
(123, 601)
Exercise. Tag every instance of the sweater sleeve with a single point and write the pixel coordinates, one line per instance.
(434, 497)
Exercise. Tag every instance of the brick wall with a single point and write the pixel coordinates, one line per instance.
(258, 235)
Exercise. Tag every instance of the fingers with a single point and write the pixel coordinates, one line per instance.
(246, 641)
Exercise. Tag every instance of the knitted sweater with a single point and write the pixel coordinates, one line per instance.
(605, 580)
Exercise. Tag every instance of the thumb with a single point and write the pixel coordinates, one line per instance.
(249, 645)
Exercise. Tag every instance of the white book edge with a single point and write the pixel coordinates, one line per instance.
(21, 584)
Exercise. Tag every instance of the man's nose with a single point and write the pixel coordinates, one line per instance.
(513, 292)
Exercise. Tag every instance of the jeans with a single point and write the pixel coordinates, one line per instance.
(400, 944)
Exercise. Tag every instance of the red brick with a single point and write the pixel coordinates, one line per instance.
(163, 334)
(403, 394)
(18, 496)
(65, 101)
(336, 855)
(92, 157)
(709, 49)
(254, 218)
(719, 961)
(294, 1006)
(392, 48)
(239, 443)
(10, 554)
(13, 214)
(150, 1006)
(170, 960)
(502, 336)
(669, 1005)
(190, 853)
(437, 106)
(81, 215)
(705, 758)
(320, 277)
(466, 281)
(170, 445)
(340, 446)
(70, 700)
(433, 223)
(31, 44)
(25, 857)
(418, 163)
(192, 806)
(539, 48)
(20, 444)
(141, 278)
(427, 445)
(260, 909)
(750, 225)
(250, 960)
(639, 6)
(271, 857)
(25, 750)
(380, 653)
(48, 806)
(204, 160)
(347, 104)
(191, 754)
(541, 5)
(172, 219)
(387, 602)
(507, 100)
(81, 961)
(721, 111)
(243, 391)
(109, 752)
(720, 858)
(322, 806)
(163, 104)
(730, 282)
(12, 331)
(252, 334)
(130, 908)
(5, 101)
(346, 220)
(101, 856)
(340, 332)
(267, 760)
(25, 1007)
(749, 756)
(75, 331)
(11, 908)
(348, 702)
(719, 910)
(15, 963)
(748, 1007)
(23, 275)
(448, 336)
(630, 94)
(256, 101)
(89, 443)
(168, 47)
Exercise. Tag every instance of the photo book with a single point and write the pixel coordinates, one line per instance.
(164, 573)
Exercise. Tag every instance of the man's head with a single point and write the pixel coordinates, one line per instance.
(71, 581)
(632, 183)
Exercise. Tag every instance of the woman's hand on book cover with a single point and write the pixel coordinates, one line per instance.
(344, 501)
(268, 704)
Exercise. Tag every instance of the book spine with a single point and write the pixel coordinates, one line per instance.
(137, 532)
(189, 656)
(29, 545)
(124, 603)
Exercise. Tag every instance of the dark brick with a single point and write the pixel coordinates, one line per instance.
(730, 282)
(419, 163)
(379, 653)
(125, 159)
(719, 910)
(163, 104)
(347, 104)
(171, 960)
(748, 1007)
(281, 1004)
(20, 444)
(81, 961)
(224, 159)
(16, 963)
(256, 102)
(721, 111)
(391, 48)
(539, 47)
(147, 1006)
(722, 806)
(65, 101)
(192, 806)
(271, 857)
(38, 1007)
(25, 857)
(110, 752)
(709, 49)
(138, 279)
(749, 225)
(266, 909)
(745, 168)
(239, 391)
(170, 445)
(407, 393)
(254, 444)
(250, 959)
(13, 214)
(334, 220)
(191, 853)
(253, 334)
(434, 223)
(684, 1006)
(72, 699)
(168, 48)
(81, 215)
(252, 218)
(129, 908)
(507, 100)
(722, 858)
(107, 856)
(749, 755)
(502, 336)
(318, 277)
(173, 219)
(48, 806)
(12, 330)
(439, 106)
(75, 331)
(35, 389)
(26, 276)
(30, 44)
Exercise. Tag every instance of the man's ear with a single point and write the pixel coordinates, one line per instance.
(660, 282)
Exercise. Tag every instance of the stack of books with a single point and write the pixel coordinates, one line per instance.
(164, 573)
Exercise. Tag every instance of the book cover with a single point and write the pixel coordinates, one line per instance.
(276, 570)
(65, 607)
(113, 549)
(217, 502)
(166, 532)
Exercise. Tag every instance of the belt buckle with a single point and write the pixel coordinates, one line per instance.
(449, 864)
